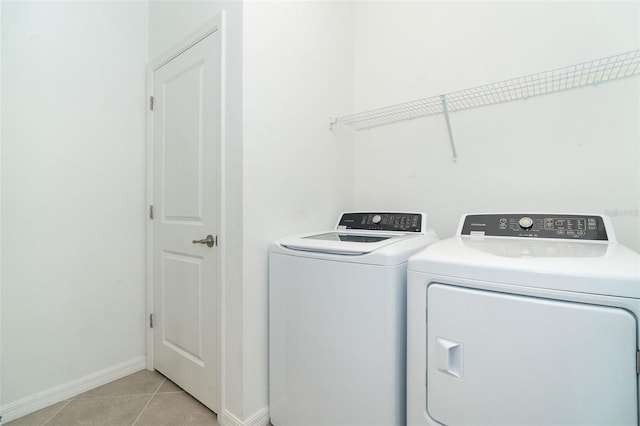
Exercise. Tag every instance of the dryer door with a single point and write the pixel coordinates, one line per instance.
(496, 358)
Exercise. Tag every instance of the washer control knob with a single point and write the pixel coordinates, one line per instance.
(525, 222)
(376, 219)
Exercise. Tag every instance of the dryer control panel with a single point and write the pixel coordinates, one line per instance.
(559, 226)
(383, 221)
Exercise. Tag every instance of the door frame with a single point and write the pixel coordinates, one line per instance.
(215, 24)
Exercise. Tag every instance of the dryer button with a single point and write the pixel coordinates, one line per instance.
(525, 222)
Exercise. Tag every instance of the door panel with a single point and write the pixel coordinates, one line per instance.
(496, 358)
(182, 305)
(186, 144)
(182, 99)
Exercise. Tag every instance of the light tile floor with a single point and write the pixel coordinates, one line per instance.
(145, 398)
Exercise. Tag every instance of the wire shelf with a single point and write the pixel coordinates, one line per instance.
(557, 80)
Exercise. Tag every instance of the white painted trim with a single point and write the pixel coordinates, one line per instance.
(260, 418)
(209, 27)
(222, 266)
(35, 402)
(149, 227)
(217, 23)
(1, 178)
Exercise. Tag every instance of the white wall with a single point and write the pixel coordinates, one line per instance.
(298, 71)
(573, 151)
(73, 213)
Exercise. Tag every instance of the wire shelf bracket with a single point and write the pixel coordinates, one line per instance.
(445, 110)
(584, 74)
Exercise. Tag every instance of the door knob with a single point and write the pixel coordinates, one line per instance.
(209, 241)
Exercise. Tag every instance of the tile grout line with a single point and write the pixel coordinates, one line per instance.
(113, 396)
(149, 401)
(57, 412)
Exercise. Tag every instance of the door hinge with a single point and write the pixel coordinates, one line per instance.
(150, 320)
(151, 212)
(151, 103)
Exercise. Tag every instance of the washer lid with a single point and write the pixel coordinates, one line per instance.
(355, 238)
(371, 238)
(342, 242)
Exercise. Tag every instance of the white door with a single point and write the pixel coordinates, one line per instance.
(186, 158)
(502, 359)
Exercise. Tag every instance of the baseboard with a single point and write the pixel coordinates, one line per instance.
(260, 418)
(33, 403)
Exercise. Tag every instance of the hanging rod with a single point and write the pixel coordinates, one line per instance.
(557, 80)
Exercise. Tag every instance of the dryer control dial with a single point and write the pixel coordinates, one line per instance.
(525, 222)
(376, 219)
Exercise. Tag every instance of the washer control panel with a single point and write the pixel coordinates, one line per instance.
(562, 226)
(374, 221)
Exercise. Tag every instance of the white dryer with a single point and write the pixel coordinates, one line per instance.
(524, 319)
(337, 332)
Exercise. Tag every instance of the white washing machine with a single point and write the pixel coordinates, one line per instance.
(524, 319)
(337, 332)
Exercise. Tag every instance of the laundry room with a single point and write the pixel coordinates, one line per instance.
(77, 164)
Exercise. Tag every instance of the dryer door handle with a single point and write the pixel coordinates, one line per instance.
(449, 357)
